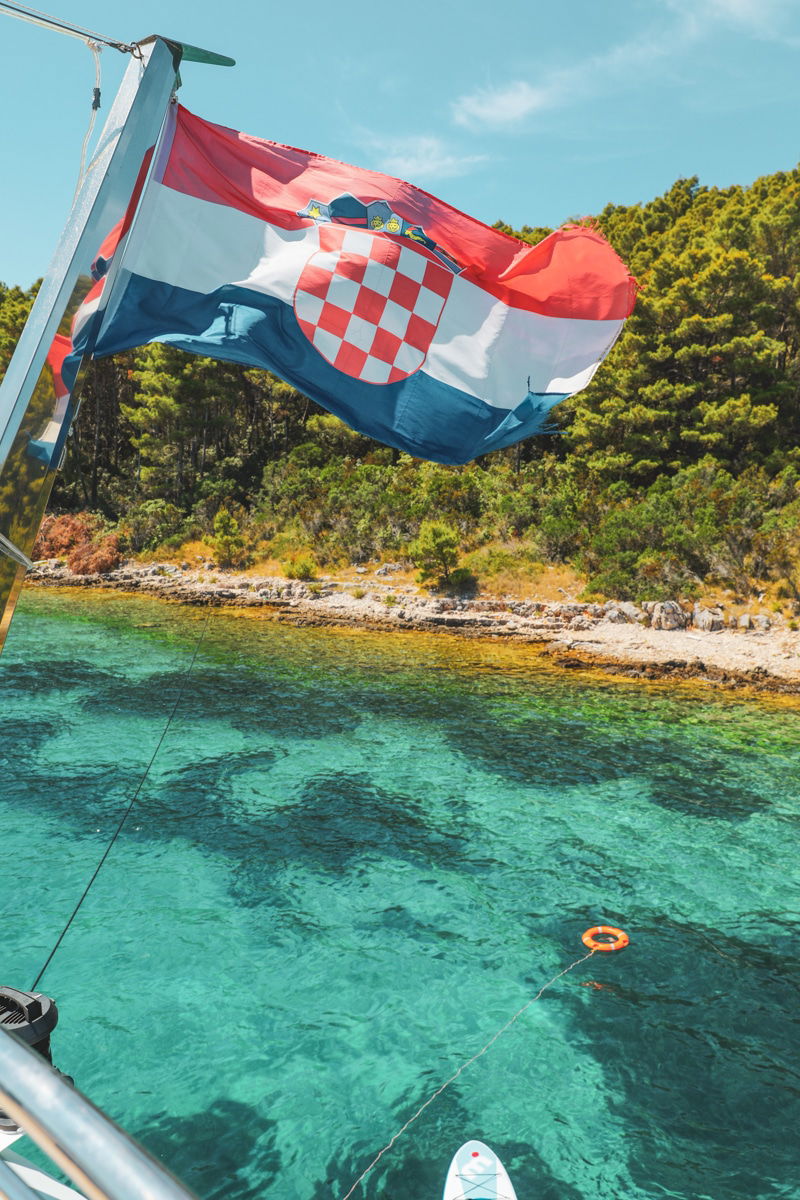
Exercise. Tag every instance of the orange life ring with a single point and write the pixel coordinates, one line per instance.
(620, 941)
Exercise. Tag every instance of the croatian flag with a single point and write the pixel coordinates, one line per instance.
(414, 323)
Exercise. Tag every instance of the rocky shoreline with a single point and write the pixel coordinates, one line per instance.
(657, 640)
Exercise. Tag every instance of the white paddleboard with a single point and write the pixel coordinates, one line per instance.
(8, 1137)
(476, 1173)
(43, 1185)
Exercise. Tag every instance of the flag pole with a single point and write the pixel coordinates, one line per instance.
(36, 415)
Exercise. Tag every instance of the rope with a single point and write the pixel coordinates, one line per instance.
(94, 41)
(129, 809)
(95, 48)
(463, 1067)
(45, 21)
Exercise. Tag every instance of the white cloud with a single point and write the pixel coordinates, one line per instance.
(738, 12)
(509, 105)
(746, 12)
(420, 158)
(764, 19)
(505, 105)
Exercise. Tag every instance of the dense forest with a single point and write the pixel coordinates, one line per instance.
(675, 471)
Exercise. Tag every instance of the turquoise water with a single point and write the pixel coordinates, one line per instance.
(355, 858)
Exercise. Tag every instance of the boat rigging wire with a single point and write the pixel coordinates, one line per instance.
(129, 809)
(463, 1067)
(34, 17)
(95, 48)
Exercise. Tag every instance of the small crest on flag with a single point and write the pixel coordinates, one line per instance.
(377, 216)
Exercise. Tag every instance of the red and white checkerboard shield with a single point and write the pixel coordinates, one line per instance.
(370, 304)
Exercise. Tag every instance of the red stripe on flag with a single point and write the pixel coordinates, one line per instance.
(573, 273)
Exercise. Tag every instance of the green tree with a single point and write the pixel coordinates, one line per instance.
(435, 551)
(709, 360)
(15, 304)
(228, 541)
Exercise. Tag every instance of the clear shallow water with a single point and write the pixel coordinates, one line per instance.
(355, 857)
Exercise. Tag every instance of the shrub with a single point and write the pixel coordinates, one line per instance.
(435, 551)
(505, 567)
(59, 535)
(462, 582)
(149, 524)
(96, 558)
(302, 567)
(227, 541)
(77, 538)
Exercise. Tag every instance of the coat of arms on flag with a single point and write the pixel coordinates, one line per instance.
(370, 304)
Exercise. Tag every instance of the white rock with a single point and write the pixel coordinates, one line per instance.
(668, 614)
(707, 619)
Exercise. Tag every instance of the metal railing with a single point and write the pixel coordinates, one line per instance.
(99, 1157)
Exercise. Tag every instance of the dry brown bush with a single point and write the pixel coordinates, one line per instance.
(96, 558)
(59, 535)
(77, 538)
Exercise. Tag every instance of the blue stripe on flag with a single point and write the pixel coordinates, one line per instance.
(420, 415)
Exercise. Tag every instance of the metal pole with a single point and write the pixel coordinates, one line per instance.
(95, 1153)
(12, 1187)
(35, 415)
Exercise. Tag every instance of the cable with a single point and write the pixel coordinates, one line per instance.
(95, 48)
(463, 1067)
(94, 41)
(128, 810)
(34, 17)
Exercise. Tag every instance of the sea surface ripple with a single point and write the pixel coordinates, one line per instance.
(354, 858)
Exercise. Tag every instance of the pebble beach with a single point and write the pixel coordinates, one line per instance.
(669, 639)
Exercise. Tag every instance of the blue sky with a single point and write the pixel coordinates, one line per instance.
(528, 112)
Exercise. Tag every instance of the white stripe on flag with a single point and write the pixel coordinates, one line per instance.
(482, 346)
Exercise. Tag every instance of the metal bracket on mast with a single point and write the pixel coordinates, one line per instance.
(36, 408)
